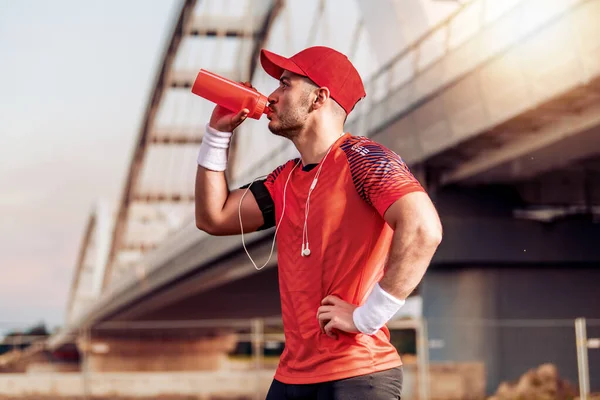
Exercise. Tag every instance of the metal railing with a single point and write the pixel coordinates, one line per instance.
(258, 333)
(583, 344)
(445, 55)
(255, 331)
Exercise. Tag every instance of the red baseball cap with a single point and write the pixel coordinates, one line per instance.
(324, 66)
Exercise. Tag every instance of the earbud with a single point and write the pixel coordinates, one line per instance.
(305, 250)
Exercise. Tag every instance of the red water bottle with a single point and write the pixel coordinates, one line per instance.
(229, 94)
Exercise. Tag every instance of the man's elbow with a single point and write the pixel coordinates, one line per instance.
(430, 235)
(205, 225)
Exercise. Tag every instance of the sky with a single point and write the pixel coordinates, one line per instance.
(75, 77)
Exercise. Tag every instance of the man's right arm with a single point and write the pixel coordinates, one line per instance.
(217, 209)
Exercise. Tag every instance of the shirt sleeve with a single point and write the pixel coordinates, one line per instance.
(264, 191)
(380, 176)
(272, 178)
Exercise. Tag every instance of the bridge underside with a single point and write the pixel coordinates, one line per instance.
(490, 267)
(479, 228)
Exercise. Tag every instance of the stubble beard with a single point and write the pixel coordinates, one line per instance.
(290, 124)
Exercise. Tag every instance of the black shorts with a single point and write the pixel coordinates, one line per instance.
(383, 385)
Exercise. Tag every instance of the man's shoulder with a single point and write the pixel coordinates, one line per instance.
(361, 149)
(285, 166)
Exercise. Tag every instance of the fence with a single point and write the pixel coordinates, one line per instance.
(460, 359)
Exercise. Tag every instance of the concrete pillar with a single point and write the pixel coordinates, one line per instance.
(157, 354)
(452, 299)
(512, 318)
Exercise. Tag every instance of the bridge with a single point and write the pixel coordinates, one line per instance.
(495, 105)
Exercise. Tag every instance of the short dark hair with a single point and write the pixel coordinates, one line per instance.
(338, 110)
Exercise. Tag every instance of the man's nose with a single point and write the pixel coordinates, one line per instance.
(272, 98)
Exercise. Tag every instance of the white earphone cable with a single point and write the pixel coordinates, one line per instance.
(305, 252)
(278, 224)
(305, 245)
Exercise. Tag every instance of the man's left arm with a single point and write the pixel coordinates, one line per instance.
(417, 234)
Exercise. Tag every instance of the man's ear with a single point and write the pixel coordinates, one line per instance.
(322, 94)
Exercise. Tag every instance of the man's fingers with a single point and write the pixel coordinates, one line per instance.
(329, 317)
(243, 114)
(323, 309)
(331, 300)
(248, 84)
(323, 319)
(325, 316)
(240, 117)
(329, 328)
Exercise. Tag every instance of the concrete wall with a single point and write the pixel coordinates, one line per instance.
(512, 318)
(449, 381)
(202, 385)
(155, 354)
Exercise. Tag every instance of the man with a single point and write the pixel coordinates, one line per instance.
(355, 230)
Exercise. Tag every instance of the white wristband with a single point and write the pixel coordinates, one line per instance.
(213, 149)
(379, 308)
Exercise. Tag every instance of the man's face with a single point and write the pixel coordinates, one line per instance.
(290, 104)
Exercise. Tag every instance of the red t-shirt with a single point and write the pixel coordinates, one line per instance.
(349, 242)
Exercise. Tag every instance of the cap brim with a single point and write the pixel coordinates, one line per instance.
(274, 64)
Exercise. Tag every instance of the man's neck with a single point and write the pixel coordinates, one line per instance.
(314, 144)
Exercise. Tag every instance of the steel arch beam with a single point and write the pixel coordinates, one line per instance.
(186, 25)
(184, 18)
(89, 229)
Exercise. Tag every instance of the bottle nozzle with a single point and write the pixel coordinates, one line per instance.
(261, 107)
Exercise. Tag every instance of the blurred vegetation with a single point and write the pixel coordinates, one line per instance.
(17, 339)
(404, 340)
